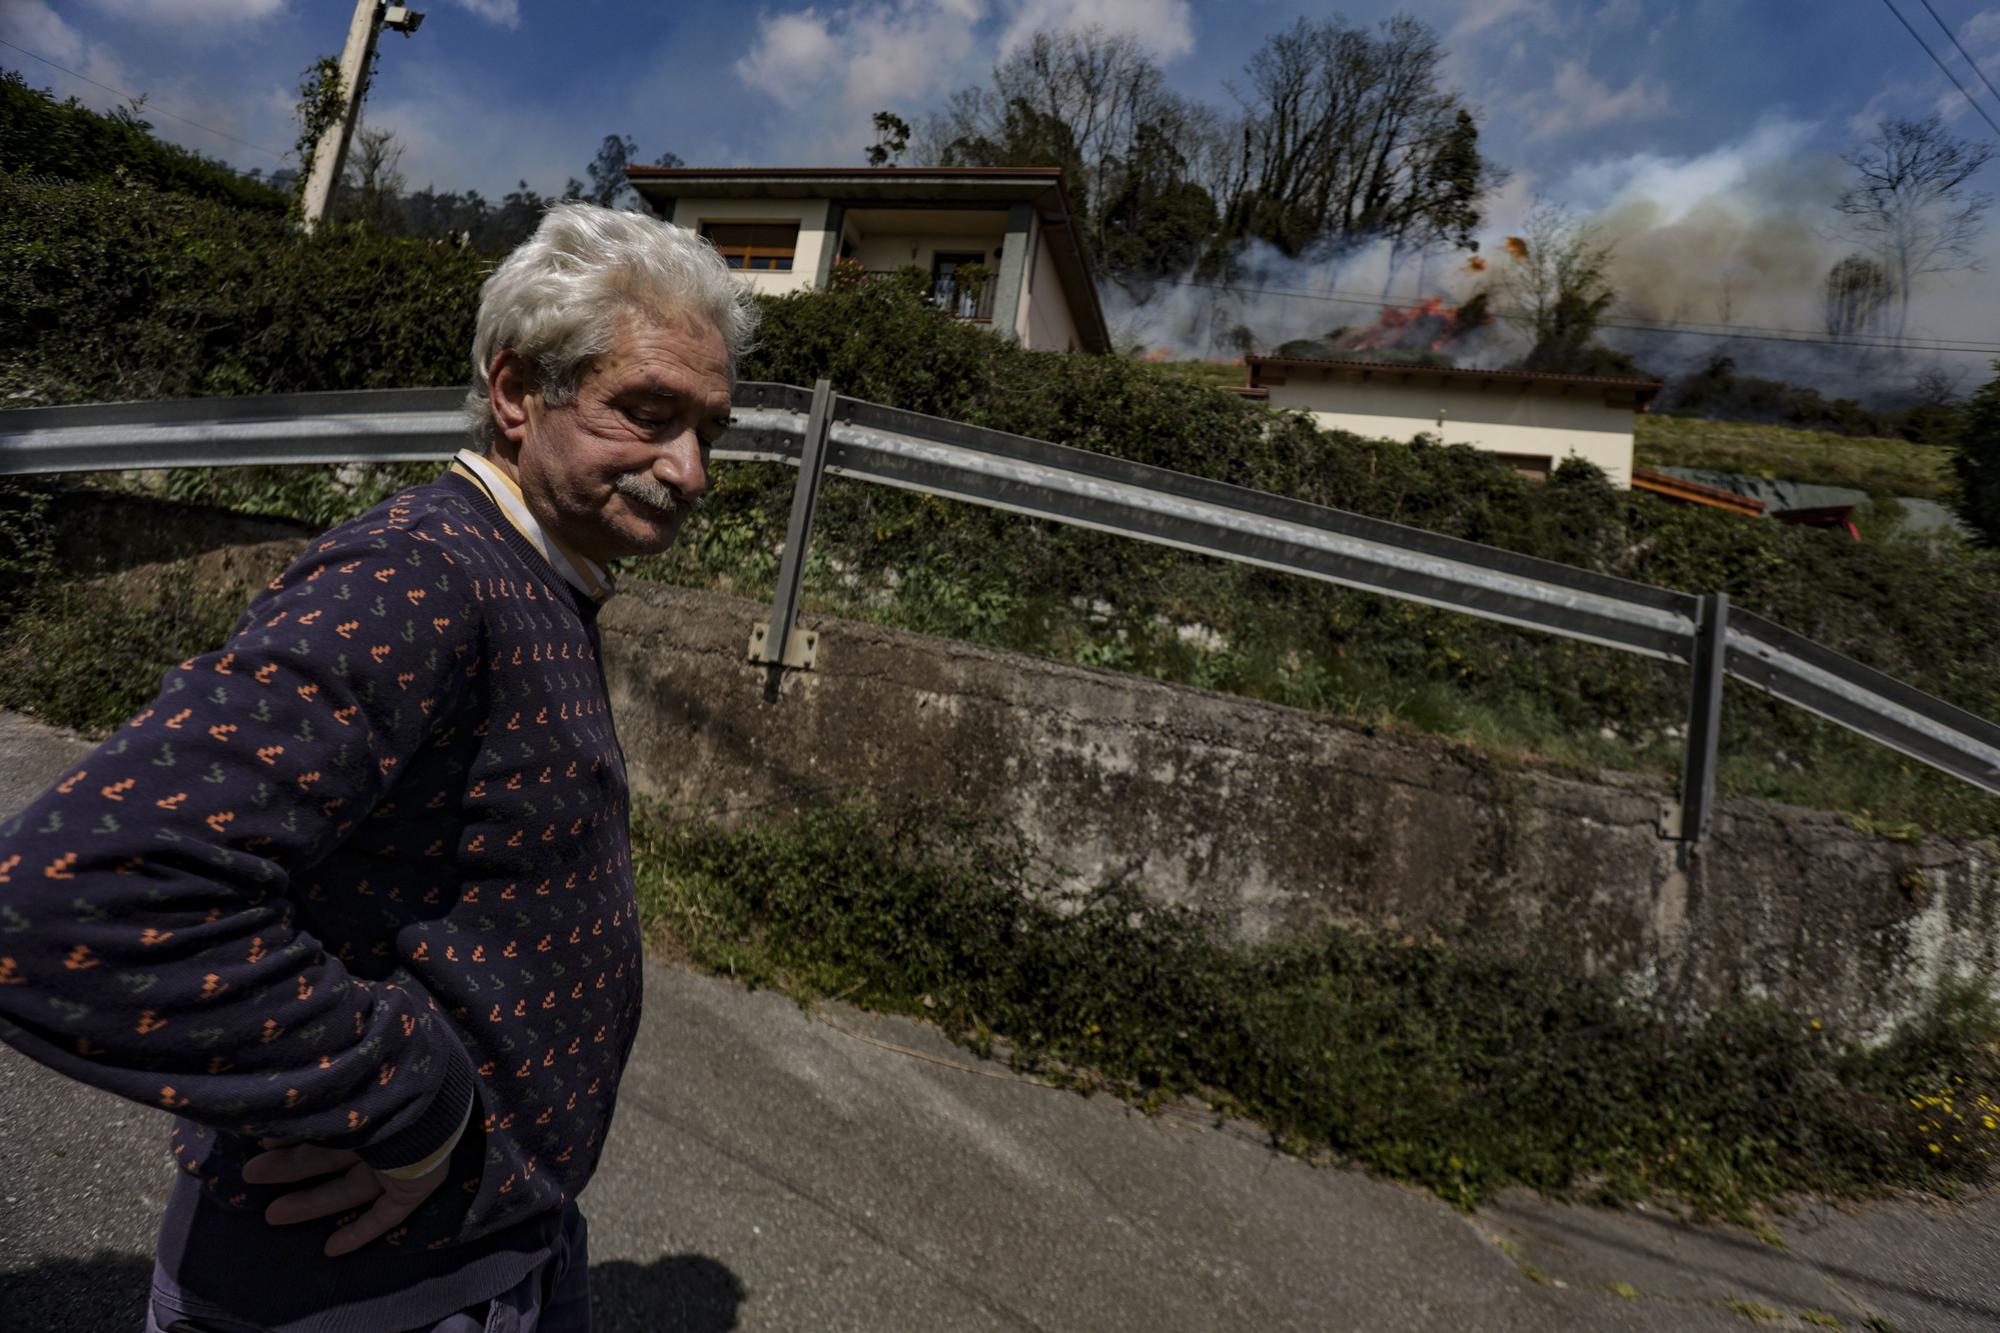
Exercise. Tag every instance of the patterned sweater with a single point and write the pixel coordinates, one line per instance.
(364, 864)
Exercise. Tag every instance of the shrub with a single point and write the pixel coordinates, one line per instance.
(86, 658)
(111, 293)
(1976, 462)
(67, 141)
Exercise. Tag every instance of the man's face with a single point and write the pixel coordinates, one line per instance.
(615, 472)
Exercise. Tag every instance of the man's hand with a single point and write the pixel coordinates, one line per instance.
(356, 1185)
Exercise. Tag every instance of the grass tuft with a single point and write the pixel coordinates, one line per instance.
(87, 655)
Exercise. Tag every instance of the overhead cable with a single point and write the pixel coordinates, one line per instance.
(1917, 37)
(139, 101)
(1961, 50)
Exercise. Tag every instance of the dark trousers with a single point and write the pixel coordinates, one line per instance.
(555, 1298)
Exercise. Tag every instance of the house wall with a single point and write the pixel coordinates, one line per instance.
(1046, 322)
(810, 214)
(1538, 421)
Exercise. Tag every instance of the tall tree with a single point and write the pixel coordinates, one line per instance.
(892, 139)
(1913, 204)
(1156, 220)
(372, 185)
(1857, 289)
(1075, 100)
(608, 187)
(1349, 134)
(1557, 286)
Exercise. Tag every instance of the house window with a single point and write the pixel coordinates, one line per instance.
(966, 300)
(1535, 467)
(755, 245)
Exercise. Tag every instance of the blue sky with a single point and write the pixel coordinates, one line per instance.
(1595, 104)
(491, 91)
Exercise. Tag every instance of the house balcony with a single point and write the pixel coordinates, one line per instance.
(962, 300)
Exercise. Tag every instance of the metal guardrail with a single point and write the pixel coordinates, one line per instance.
(822, 434)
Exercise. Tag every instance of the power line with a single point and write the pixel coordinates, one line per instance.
(1961, 50)
(223, 134)
(1916, 37)
(1758, 333)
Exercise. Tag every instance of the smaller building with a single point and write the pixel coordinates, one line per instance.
(999, 245)
(1531, 420)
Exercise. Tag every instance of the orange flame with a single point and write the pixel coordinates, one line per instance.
(1516, 247)
(1395, 324)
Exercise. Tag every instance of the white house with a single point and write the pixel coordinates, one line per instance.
(785, 228)
(1531, 420)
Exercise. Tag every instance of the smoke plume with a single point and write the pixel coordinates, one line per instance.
(1733, 246)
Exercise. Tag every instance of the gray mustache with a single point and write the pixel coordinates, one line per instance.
(646, 490)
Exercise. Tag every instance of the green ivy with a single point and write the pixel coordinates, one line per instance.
(322, 101)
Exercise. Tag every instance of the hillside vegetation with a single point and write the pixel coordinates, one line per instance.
(1874, 464)
(66, 141)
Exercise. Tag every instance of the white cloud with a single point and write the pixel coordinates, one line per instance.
(793, 56)
(864, 57)
(831, 65)
(184, 13)
(32, 24)
(1484, 14)
(1163, 27)
(1982, 29)
(506, 13)
(1578, 100)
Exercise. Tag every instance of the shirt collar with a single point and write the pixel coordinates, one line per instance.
(585, 575)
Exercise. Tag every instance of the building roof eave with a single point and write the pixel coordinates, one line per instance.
(1073, 268)
(1644, 389)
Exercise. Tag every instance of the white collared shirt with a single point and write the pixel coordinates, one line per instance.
(585, 575)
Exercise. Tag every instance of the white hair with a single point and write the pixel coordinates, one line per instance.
(559, 299)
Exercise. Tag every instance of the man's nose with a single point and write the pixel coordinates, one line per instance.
(680, 466)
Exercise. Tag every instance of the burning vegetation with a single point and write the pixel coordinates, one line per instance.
(1430, 332)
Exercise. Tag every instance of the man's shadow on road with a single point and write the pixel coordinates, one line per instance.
(685, 1293)
(106, 1293)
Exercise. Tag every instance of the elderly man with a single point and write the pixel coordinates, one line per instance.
(353, 897)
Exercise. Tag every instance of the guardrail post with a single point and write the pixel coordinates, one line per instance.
(779, 643)
(1704, 725)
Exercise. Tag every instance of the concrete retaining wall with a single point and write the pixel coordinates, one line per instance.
(1282, 820)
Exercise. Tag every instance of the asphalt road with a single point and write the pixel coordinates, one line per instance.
(773, 1168)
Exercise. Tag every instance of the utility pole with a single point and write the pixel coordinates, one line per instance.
(330, 153)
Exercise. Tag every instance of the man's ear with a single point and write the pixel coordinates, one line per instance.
(509, 385)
